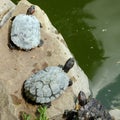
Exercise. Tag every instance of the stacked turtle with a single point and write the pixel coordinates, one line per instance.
(90, 109)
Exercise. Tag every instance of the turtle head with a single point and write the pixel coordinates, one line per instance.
(30, 10)
(68, 65)
(82, 98)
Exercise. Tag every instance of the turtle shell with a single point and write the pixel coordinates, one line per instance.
(46, 85)
(94, 109)
(25, 32)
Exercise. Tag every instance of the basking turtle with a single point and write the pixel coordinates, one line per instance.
(25, 31)
(47, 84)
(89, 110)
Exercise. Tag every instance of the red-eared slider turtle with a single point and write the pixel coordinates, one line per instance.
(90, 109)
(47, 84)
(25, 31)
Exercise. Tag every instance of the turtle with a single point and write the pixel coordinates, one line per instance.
(25, 31)
(47, 84)
(89, 109)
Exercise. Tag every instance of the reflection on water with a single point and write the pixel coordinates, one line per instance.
(106, 80)
(90, 28)
(110, 94)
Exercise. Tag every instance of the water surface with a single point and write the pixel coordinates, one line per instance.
(106, 80)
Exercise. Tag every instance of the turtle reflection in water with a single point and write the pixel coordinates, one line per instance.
(47, 84)
(25, 31)
(88, 110)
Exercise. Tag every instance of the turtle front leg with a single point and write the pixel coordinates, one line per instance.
(70, 83)
(68, 65)
(13, 18)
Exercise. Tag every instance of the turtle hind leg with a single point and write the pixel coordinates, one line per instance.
(12, 46)
(41, 43)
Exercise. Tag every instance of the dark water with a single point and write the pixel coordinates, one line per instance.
(91, 29)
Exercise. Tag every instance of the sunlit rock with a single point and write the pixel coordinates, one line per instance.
(17, 65)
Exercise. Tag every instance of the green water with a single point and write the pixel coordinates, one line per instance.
(91, 29)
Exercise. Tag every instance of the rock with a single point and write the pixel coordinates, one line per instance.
(6, 107)
(16, 66)
(6, 8)
(115, 113)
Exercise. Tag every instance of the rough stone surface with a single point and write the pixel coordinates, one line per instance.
(6, 108)
(6, 9)
(115, 113)
(16, 65)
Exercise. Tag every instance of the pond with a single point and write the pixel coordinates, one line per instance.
(91, 29)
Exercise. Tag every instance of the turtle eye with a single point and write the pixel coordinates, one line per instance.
(33, 7)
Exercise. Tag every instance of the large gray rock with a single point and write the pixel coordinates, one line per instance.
(6, 9)
(16, 65)
(6, 107)
(115, 113)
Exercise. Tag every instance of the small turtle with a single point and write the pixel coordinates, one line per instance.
(47, 84)
(90, 109)
(25, 31)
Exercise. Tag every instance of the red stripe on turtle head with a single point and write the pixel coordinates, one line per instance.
(30, 10)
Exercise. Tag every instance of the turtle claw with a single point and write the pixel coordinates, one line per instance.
(68, 65)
